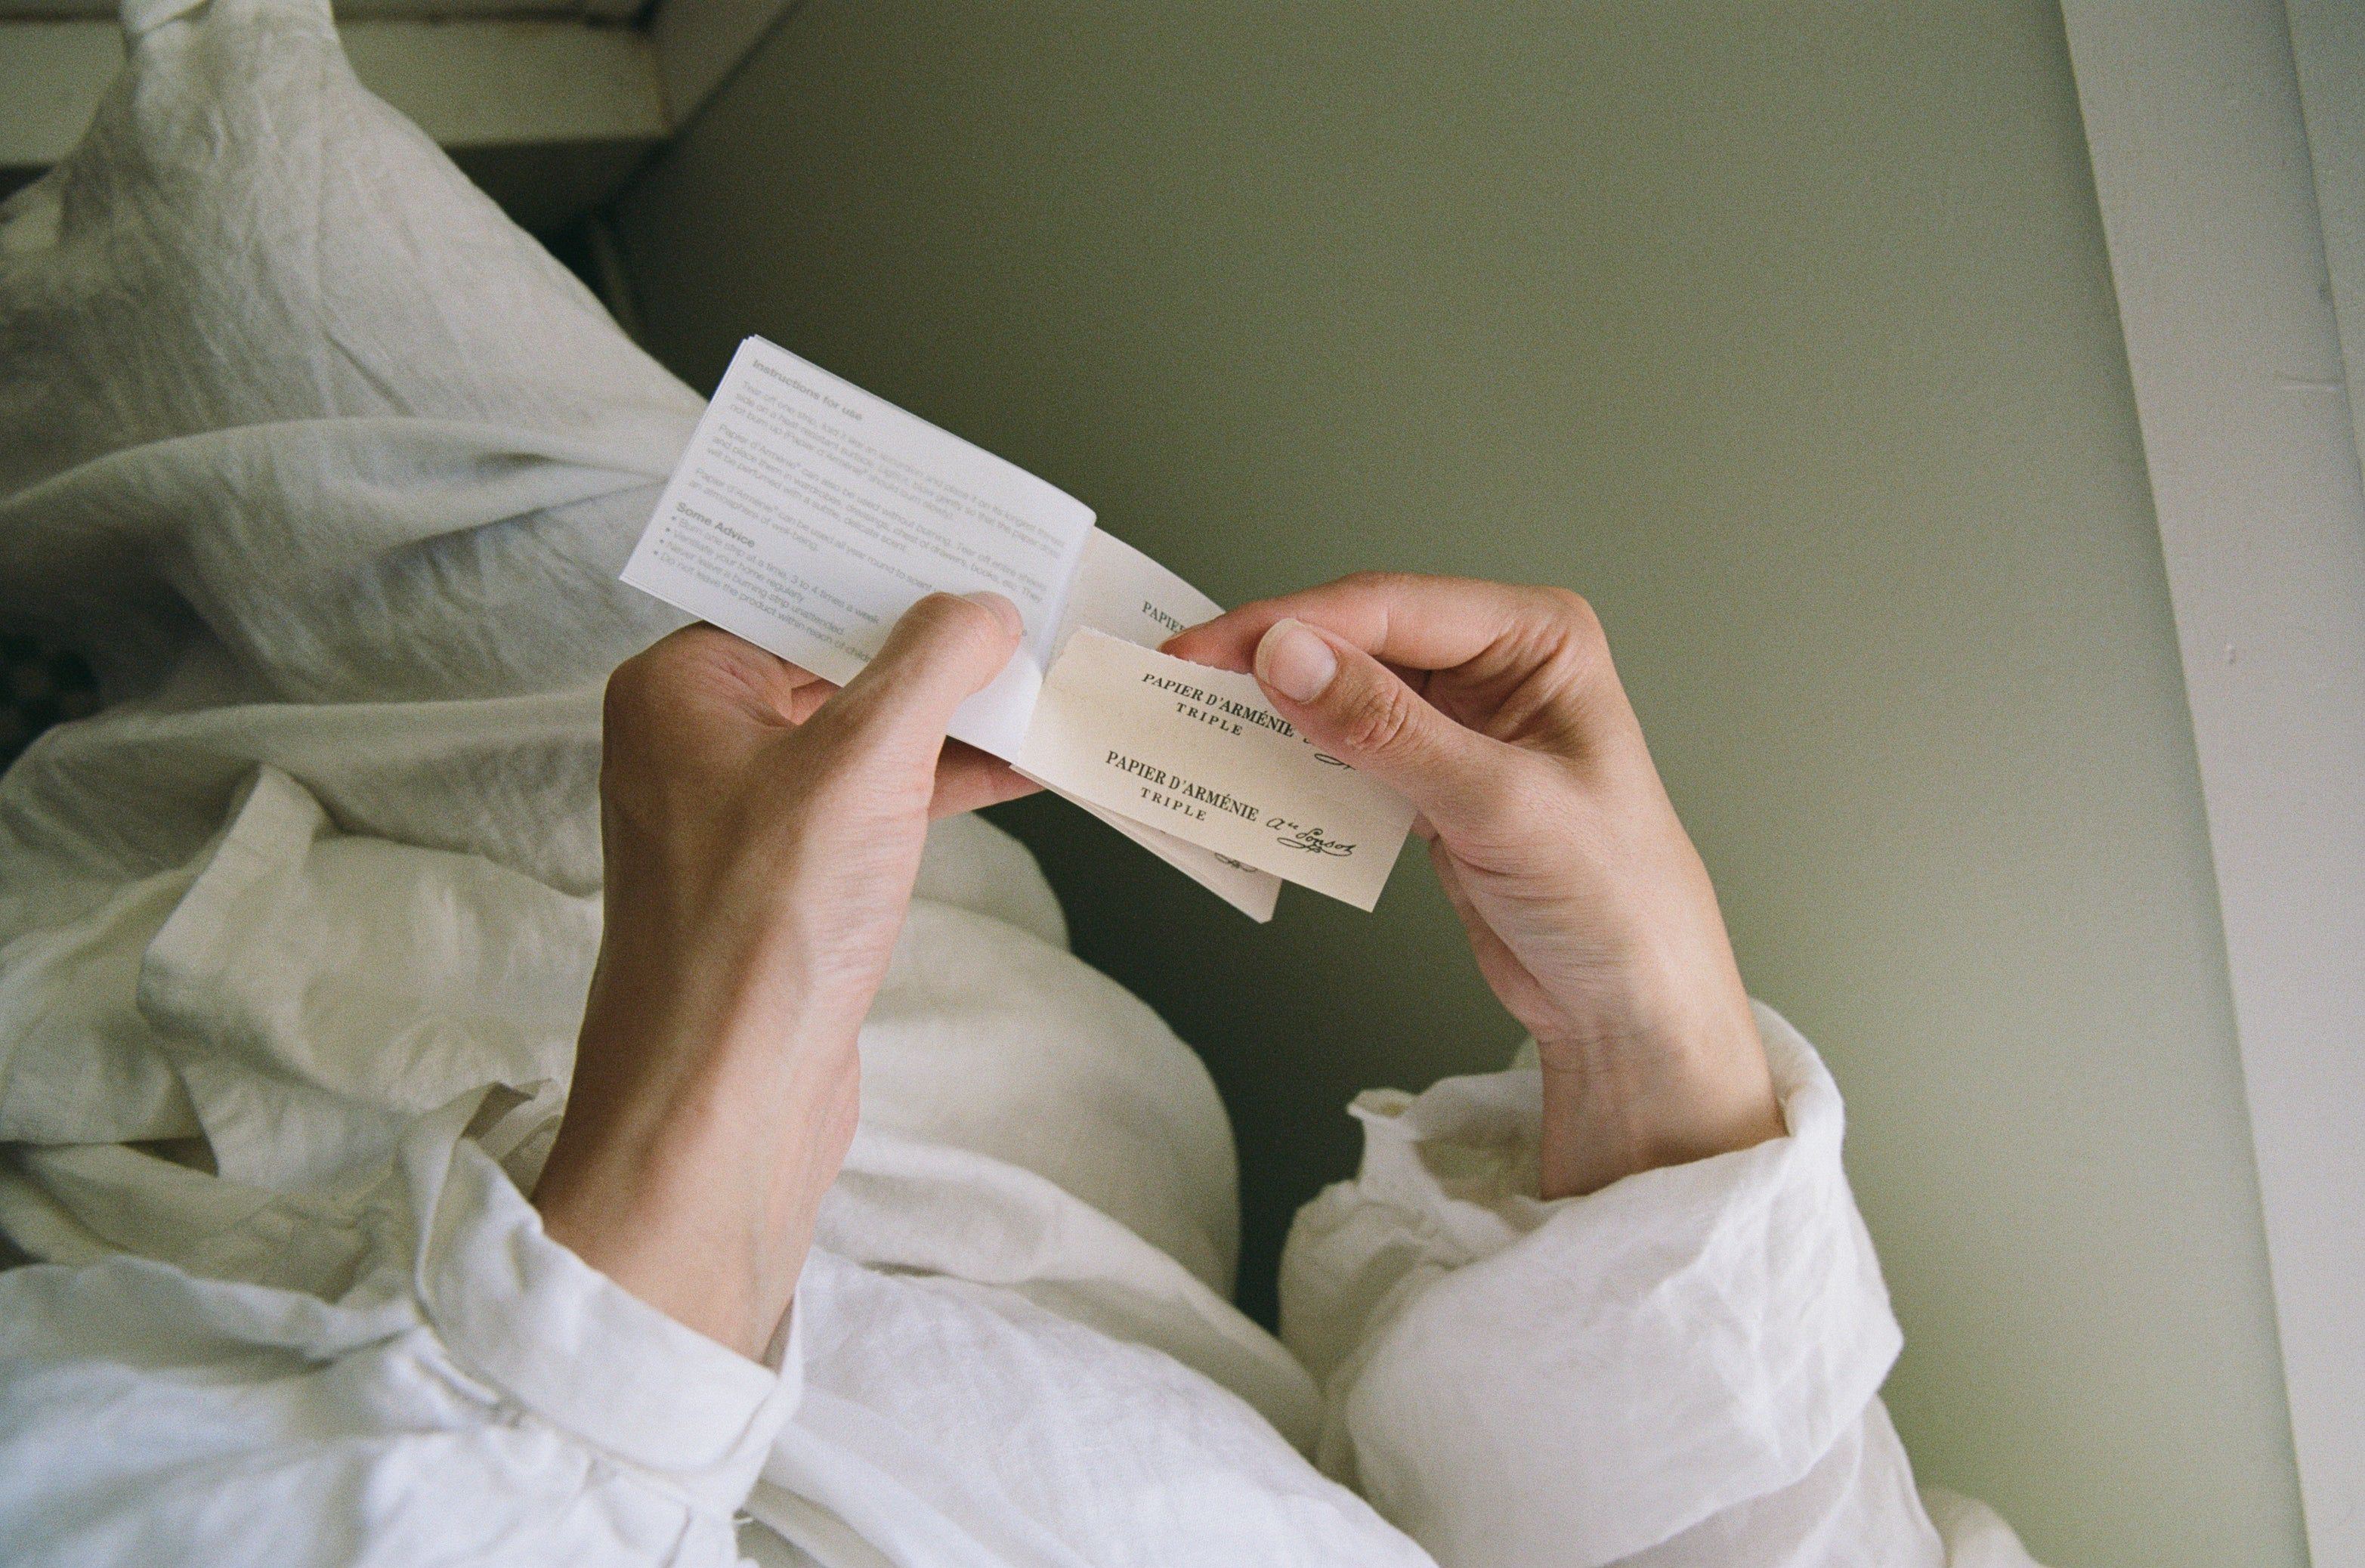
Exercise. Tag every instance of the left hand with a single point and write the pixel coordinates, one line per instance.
(762, 832)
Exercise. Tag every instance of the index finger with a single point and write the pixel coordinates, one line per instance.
(1412, 622)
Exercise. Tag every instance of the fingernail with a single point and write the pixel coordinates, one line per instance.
(1003, 611)
(1294, 661)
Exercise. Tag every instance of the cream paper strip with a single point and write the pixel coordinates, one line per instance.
(1198, 753)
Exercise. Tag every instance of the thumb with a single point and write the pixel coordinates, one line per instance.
(1359, 710)
(944, 649)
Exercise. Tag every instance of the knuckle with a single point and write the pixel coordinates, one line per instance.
(629, 693)
(939, 608)
(645, 705)
(639, 689)
(1380, 583)
(1384, 720)
(950, 616)
(1565, 636)
(663, 664)
(1579, 621)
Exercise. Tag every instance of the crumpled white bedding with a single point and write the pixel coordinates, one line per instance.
(331, 470)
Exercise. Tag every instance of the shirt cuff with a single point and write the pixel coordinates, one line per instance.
(558, 1337)
(1513, 1380)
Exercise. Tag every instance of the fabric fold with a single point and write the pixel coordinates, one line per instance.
(474, 1392)
(1647, 1356)
(530, 1317)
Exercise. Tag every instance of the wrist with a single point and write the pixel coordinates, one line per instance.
(705, 1213)
(707, 1116)
(1637, 1096)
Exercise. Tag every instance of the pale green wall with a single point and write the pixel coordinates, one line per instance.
(1786, 335)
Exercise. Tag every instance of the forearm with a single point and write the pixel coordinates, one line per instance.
(709, 1115)
(706, 1214)
(1618, 1102)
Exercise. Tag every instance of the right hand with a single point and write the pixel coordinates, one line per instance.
(1496, 712)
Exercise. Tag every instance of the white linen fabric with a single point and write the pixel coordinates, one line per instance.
(331, 470)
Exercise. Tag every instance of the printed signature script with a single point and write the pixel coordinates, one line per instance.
(1309, 839)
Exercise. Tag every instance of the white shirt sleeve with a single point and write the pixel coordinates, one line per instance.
(478, 1394)
(1682, 1369)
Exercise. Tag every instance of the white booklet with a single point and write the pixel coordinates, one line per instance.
(808, 515)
